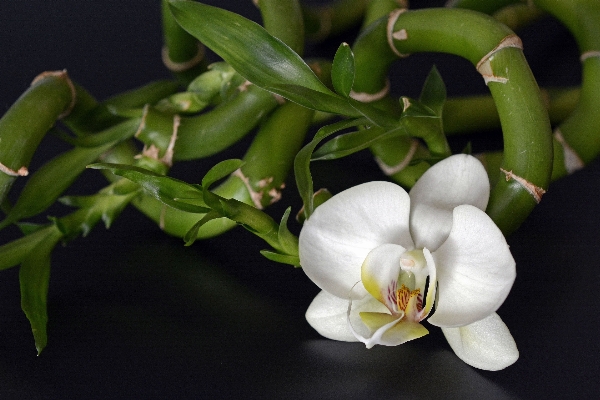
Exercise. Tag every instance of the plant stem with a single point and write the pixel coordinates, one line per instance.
(324, 21)
(580, 130)
(478, 112)
(283, 19)
(517, 16)
(268, 161)
(182, 53)
(526, 127)
(51, 96)
(487, 6)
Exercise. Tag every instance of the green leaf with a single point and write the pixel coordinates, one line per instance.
(191, 235)
(34, 277)
(168, 190)
(374, 115)
(421, 121)
(220, 171)
(181, 103)
(326, 102)
(281, 258)
(258, 56)
(414, 108)
(251, 218)
(342, 70)
(264, 60)
(112, 135)
(50, 181)
(218, 80)
(28, 228)
(288, 241)
(350, 143)
(140, 96)
(433, 93)
(13, 253)
(302, 161)
(319, 197)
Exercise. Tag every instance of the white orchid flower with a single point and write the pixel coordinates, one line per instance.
(383, 258)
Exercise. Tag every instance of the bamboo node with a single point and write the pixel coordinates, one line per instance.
(572, 160)
(62, 75)
(484, 66)
(143, 121)
(398, 35)
(174, 66)
(152, 151)
(390, 170)
(535, 191)
(364, 97)
(23, 171)
(254, 195)
(167, 159)
(244, 86)
(589, 54)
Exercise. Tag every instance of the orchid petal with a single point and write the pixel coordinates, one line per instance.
(456, 180)
(327, 314)
(485, 344)
(380, 272)
(336, 239)
(431, 290)
(475, 270)
(389, 330)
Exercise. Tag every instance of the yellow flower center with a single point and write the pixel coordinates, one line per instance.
(409, 301)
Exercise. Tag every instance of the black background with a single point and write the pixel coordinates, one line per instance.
(134, 314)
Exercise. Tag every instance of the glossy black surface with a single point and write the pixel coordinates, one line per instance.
(134, 314)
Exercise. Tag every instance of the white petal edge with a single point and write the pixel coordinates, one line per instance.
(393, 333)
(327, 314)
(337, 237)
(431, 291)
(485, 344)
(459, 179)
(475, 270)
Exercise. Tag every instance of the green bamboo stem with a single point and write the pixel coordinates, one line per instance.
(578, 134)
(581, 130)
(149, 93)
(258, 183)
(486, 6)
(283, 19)
(182, 53)
(478, 113)
(51, 96)
(394, 156)
(372, 60)
(214, 131)
(379, 8)
(53, 178)
(89, 115)
(78, 120)
(324, 21)
(517, 16)
(525, 123)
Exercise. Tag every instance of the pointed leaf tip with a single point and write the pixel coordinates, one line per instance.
(342, 70)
